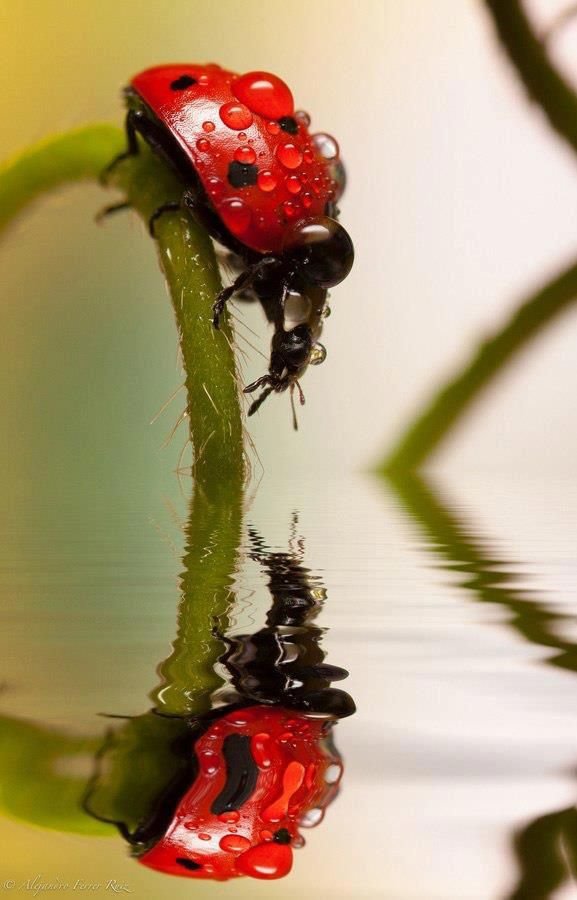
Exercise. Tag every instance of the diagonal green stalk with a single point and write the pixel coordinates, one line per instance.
(436, 422)
(188, 261)
(452, 401)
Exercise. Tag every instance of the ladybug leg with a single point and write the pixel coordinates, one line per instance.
(131, 123)
(173, 206)
(244, 280)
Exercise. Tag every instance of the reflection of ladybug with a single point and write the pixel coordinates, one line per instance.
(260, 772)
(261, 185)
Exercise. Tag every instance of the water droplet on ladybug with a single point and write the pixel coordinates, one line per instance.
(298, 841)
(273, 127)
(308, 156)
(291, 211)
(215, 186)
(245, 155)
(311, 817)
(203, 145)
(202, 79)
(317, 185)
(293, 184)
(266, 835)
(307, 200)
(264, 94)
(235, 115)
(303, 118)
(266, 181)
(318, 356)
(289, 155)
(208, 126)
(203, 836)
(241, 136)
(325, 145)
(234, 843)
(326, 311)
(236, 215)
(190, 825)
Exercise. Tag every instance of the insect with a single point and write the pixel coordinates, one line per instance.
(260, 772)
(262, 186)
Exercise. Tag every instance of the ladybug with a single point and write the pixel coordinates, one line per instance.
(261, 772)
(262, 186)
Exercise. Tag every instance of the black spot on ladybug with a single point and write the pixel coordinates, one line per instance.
(288, 124)
(180, 84)
(242, 174)
(188, 863)
(282, 836)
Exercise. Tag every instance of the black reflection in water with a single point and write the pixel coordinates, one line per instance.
(545, 849)
(220, 789)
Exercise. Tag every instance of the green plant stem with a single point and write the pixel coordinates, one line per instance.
(530, 57)
(451, 402)
(188, 261)
(448, 406)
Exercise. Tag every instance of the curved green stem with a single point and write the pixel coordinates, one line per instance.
(448, 406)
(188, 262)
(530, 57)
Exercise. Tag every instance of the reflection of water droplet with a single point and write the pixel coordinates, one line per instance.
(311, 817)
(333, 773)
(208, 762)
(208, 126)
(266, 181)
(326, 146)
(234, 843)
(303, 118)
(236, 215)
(290, 155)
(231, 816)
(261, 750)
(235, 115)
(318, 356)
(293, 184)
(245, 155)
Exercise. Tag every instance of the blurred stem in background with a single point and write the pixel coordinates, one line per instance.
(530, 56)
(189, 265)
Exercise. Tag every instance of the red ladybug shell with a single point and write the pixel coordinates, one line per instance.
(291, 776)
(219, 119)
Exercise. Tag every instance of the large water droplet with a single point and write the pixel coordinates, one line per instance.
(293, 184)
(266, 181)
(289, 155)
(236, 215)
(326, 146)
(264, 94)
(245, 155)
(318, 354)
(235, 115)
(303, 118)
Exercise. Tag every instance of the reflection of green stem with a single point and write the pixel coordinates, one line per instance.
(434, 424)
(188, 261)
(210, 559)
(483, 574)
(44, 775)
